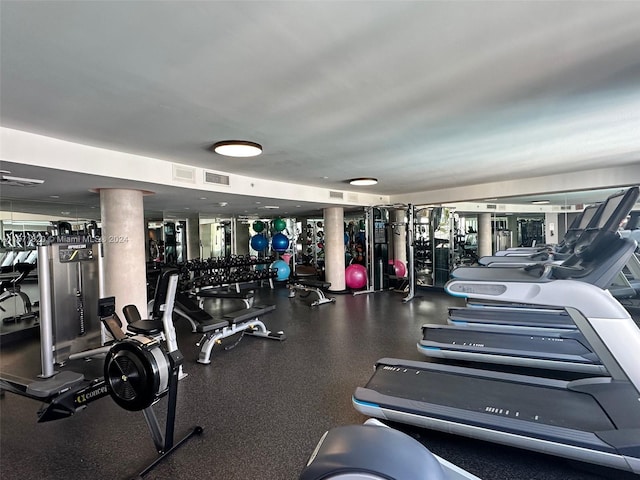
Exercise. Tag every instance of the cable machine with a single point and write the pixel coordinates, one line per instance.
(380, 235)
(70, 281)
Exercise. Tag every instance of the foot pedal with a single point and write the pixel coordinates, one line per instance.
(54, 385)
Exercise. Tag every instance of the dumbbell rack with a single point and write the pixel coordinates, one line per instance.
(235, 270)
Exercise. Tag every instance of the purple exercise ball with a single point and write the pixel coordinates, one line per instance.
(399, 268)
(355, 276)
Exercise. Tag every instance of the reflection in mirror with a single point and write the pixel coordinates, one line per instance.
(525, 221)
(25, 224)
(18, 275)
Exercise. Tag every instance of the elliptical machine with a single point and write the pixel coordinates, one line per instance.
(374, 451)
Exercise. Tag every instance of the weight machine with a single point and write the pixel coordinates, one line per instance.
(379, 229)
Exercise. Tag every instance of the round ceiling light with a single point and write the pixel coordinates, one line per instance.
(237, 148)
(363, 182)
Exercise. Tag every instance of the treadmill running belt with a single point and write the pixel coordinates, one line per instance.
(561, 408)
(532, 343)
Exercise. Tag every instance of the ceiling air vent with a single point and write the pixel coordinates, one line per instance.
(333, 194)
(184, 174)
(216, 178)
(491, 206)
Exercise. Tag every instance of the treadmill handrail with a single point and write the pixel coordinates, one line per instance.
(615, 342)
(589, 299)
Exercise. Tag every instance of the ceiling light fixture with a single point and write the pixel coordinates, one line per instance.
(540, 202)
(237, 148)
(363, 182)
(11, 181)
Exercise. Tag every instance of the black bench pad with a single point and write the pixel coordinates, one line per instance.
(230, 318)
(211, 325)
(248, 313)
(313, 283)
(246, 295)
(190, 308)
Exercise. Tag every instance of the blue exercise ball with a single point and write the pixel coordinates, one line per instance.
(280, 242)
(283, 270)
(259, 242)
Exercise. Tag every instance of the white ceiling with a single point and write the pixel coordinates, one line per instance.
(422, 95)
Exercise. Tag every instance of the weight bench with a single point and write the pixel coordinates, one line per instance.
(245, 322)
(246, 296)
(311, 286)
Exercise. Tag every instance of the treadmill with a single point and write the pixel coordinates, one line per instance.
(600, 258)
(587, 218)
(610, 214)
(592, 262)
(624, 287)
(538, 347)
(508, 316)
(595, 419)
(553, 349)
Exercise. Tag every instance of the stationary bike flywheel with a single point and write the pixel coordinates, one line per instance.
(137, 370)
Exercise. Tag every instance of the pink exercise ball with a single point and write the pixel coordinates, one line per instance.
(355, 276)
(399, 268)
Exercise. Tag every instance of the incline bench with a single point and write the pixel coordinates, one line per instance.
(245, 321)
(311, 286)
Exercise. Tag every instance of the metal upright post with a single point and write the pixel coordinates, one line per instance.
(167, 314)
(411, 218)
(46, 317)
(370, 250)
(104, 336)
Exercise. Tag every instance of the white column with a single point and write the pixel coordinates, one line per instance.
(334, 248)
(123, 237)
(193, 238)
(242, 237)
(551, 228)
(512, 226)
(485, 247)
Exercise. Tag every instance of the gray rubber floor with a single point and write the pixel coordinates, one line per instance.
(263, 404)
